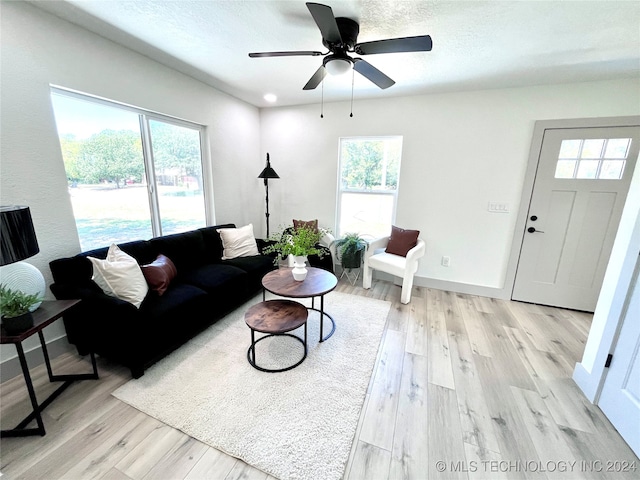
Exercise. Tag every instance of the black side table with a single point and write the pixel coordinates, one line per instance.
(49, 312)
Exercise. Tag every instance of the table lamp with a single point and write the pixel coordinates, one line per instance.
(18, 242)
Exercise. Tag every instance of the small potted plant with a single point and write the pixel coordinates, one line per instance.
(15, 309)
(351, 248)
(299, 243)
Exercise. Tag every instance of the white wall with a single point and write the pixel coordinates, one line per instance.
(38, 50)
(460, 151)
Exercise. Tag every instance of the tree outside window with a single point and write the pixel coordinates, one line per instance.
(369, 173)
(110, 155)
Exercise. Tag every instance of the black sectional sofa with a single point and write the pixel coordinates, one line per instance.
(204, 290)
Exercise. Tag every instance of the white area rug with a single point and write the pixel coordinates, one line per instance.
(298, 424)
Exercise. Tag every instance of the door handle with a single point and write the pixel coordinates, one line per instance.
(533, 230)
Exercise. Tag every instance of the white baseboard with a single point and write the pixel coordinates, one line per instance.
(11, 368)
(448, 286)
(588, 382)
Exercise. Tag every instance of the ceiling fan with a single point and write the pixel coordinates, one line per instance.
(339, 35)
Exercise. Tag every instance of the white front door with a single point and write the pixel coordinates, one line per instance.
(580, 189)
(620, 396)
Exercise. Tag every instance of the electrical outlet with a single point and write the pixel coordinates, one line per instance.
(446, 261)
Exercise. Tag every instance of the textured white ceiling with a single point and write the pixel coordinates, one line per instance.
(476, 44)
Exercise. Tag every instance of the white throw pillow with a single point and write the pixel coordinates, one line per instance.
(238, 242)
(119, 275)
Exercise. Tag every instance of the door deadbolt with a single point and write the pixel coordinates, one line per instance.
(533, 218)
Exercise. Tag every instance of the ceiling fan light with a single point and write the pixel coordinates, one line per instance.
(338, 66)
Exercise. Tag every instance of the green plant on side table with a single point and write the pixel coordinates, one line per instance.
(15, 309)
(351, 248)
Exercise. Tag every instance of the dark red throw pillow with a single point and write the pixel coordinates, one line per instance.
(401, 241)
(310, 225)
(159, 273)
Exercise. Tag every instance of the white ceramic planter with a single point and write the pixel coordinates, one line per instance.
(299, 268)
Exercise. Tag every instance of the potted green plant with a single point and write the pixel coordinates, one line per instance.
(299, 243)
(351, 248)
(15, 309)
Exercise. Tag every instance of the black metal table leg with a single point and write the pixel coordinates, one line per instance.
(36, 414)
(322, 315)
(67, 378)
(253, 346)
(251, 352)
(20, 431)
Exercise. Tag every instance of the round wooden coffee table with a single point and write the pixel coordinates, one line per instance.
(275, 318)
(318, 283)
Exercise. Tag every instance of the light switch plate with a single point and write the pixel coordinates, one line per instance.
(497, 207)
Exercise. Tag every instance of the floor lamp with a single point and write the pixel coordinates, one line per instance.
(18, 242)
(268, 173)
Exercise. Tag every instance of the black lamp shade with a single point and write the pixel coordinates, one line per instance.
(268, 172)
(17, 235)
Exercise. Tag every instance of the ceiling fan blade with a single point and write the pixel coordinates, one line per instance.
(372, 73)
(324, 18)
(395, 45)
(285, 54)
(316, 79)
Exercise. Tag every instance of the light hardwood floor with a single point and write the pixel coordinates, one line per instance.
(464, 387)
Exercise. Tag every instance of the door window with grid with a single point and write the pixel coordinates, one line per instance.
(368, 185)
(593, 158)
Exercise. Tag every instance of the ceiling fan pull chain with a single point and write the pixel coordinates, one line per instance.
(322, 102)
(353, 78)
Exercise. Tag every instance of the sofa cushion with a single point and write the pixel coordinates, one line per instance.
(216, 278)
(172, 302)
(142, 250)
(159, 273)
(256, 267)
(72, 271)
(213, 242)
(119, 275)
(185, 250)
(238, 242)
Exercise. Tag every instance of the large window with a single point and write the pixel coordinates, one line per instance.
(368, 185)
(132, 174)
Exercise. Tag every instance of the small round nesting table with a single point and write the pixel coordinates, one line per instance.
(275, 318)
(318, 283)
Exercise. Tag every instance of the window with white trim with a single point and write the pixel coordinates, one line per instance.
(368, 185)
(132, 174)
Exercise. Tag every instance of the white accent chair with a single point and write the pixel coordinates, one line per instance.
(375, 258)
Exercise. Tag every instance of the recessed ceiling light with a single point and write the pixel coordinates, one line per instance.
(270, 97)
